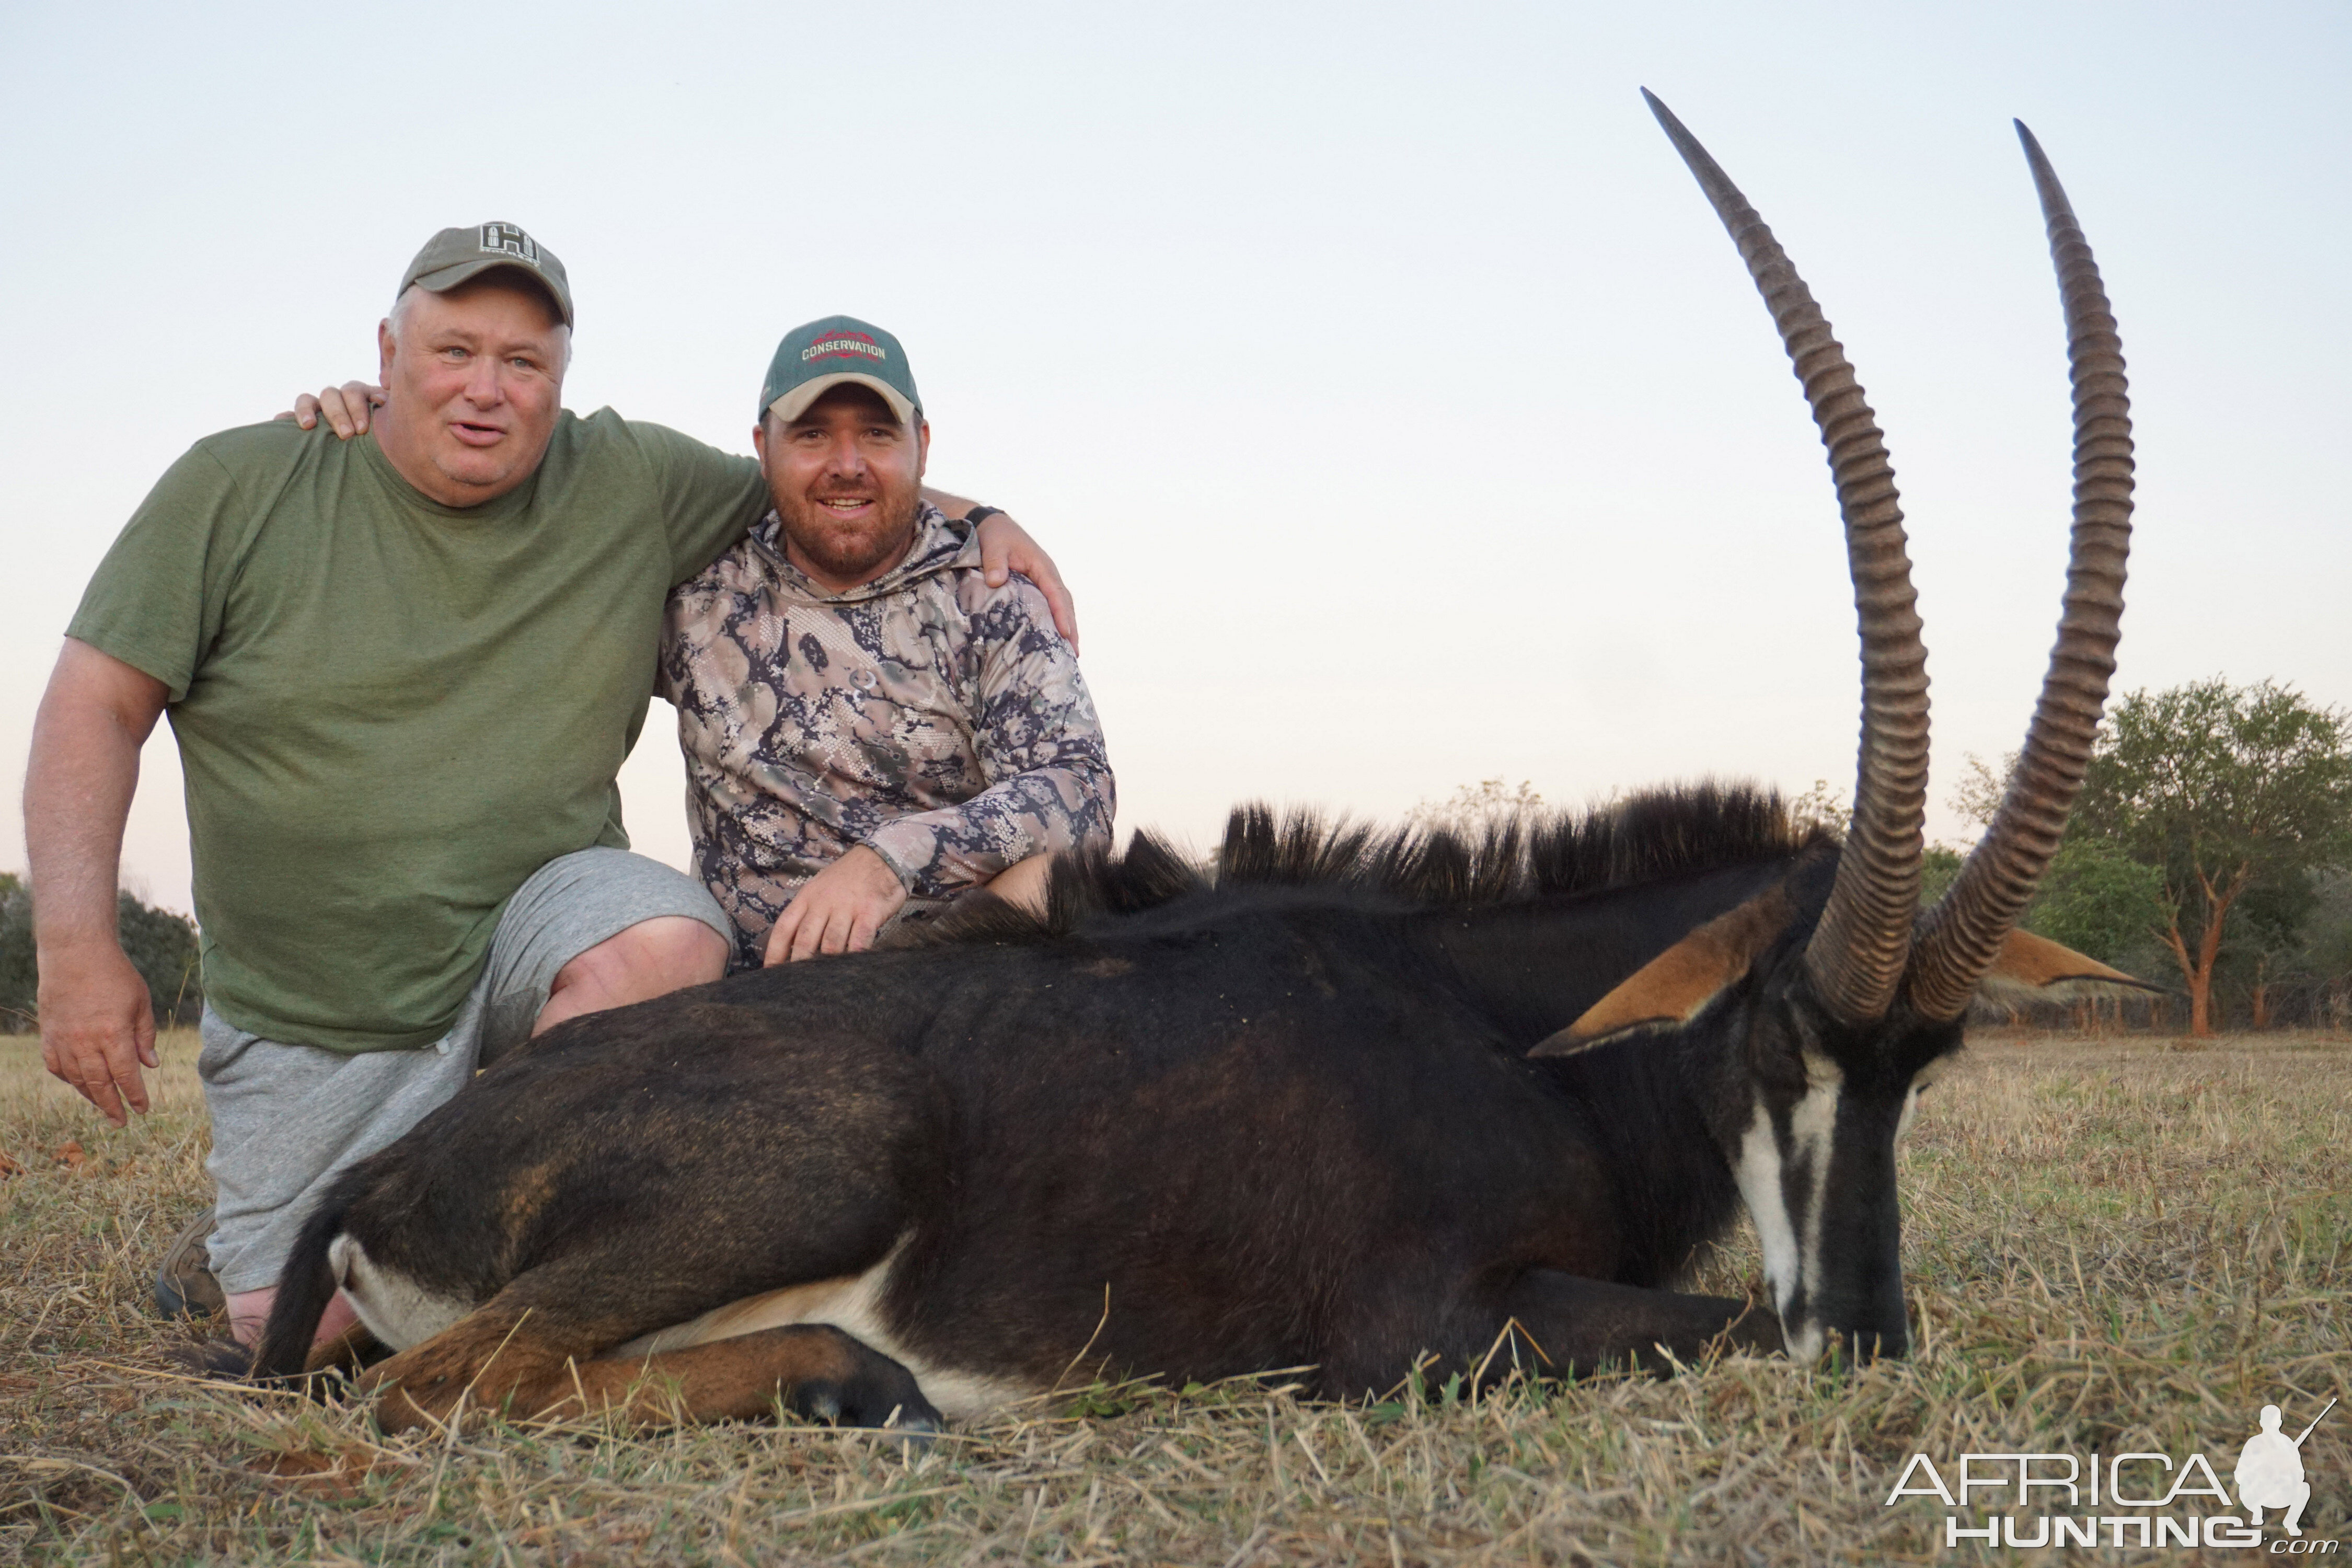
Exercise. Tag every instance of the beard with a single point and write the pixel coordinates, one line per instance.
(851, 552)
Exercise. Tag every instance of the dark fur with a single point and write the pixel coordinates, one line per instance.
(1648, 837)
(1284, 1117)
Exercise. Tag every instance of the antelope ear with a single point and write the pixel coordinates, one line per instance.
(2035, 965)
(1672, 987)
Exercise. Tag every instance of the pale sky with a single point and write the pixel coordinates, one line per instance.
(1378, 376)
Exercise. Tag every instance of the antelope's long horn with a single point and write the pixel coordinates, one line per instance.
(1857, 954)
(1962, 935)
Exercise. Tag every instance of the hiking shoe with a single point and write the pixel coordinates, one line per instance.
(184, 1286)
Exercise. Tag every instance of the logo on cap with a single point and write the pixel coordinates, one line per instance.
(847, 346)
(506, 239)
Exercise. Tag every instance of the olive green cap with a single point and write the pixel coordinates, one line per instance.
(821, 354)
(456, 256)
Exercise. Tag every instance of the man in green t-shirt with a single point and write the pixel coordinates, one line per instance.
(403, 672)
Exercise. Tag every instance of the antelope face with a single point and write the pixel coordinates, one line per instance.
(1820, 1062)
(1816, 1114)
(1835, 1053)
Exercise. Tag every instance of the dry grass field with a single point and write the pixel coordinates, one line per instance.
(2113, 1245)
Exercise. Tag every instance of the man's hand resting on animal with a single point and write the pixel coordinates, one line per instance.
(839, 909)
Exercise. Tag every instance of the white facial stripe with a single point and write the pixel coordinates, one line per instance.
(852, 1304)
(1792, 1243)
(1812, 1125)
(1758, 1175)
(395, 1309)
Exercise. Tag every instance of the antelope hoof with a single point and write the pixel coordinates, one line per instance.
(876, 1392)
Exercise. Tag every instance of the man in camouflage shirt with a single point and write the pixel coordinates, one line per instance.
(864, 721)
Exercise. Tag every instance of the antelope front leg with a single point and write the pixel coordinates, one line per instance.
(499, 1359)
(482, 1360)
(1569, 1324)
(497, 1356)
(813, 1369)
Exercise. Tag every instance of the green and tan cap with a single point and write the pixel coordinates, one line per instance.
(825, 354)
(456, 256)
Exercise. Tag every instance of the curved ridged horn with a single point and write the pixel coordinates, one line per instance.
(1962, 935)
(1857, 954)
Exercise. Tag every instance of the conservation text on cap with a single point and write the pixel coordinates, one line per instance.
(824, 354)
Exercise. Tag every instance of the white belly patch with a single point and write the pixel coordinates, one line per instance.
(851, 1303)
(395, 1309)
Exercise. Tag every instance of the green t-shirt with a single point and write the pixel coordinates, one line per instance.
(391, 712)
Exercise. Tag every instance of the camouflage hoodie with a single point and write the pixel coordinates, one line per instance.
(939, 721)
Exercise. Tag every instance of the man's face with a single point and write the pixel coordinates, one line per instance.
(476, 378)
(846, 477)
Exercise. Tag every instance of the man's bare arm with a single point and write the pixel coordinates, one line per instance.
(97, 1024)
(1006, 546)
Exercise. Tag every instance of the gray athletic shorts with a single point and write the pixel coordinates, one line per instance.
(286, 1118)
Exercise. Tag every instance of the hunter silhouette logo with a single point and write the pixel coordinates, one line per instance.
(2270, 1471)
(2144, 1499)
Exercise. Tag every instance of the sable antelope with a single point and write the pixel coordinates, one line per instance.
(1360, 1101)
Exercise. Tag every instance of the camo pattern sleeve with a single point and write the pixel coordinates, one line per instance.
(936, 720)
(1037, 744)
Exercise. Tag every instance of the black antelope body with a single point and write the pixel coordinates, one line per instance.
(1360, 1101)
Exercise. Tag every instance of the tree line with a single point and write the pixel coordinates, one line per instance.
(160, 946)
(2211, 850)
(2211, 847)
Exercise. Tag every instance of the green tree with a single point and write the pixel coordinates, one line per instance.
(2095, 899)
(1825, 806)
(2236, 798)
(2327, 947)
(2098, 900)
(160, 946)
(18, 978)
(1938, 869)
(1471, 809)
(163, 947)
(2324, 954)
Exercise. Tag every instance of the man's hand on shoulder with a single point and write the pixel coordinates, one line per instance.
(1005, 548)
(838, 911)
(346, 407)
